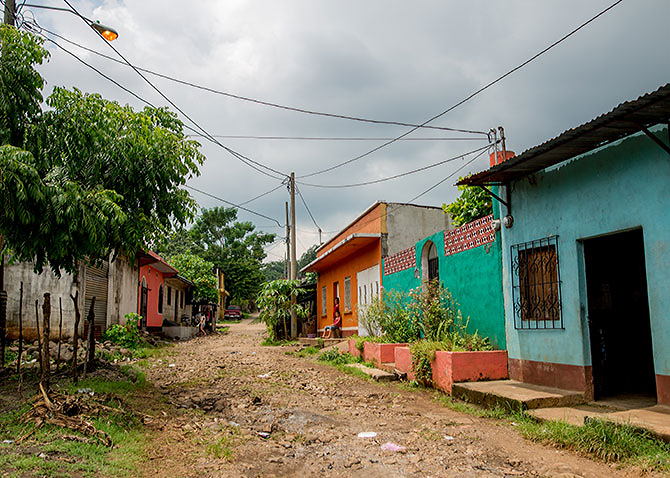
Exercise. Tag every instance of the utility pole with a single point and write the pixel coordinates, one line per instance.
(10, 12)
(294, 262)
(287, 267)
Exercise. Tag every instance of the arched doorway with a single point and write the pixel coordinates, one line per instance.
(430, 262)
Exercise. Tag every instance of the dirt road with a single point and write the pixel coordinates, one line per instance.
(229, 392)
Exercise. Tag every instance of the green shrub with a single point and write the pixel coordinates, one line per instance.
(334, 357)
(126, 335)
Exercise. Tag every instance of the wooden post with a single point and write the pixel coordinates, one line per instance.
(90, 348)
(39, 337)
(60, 332)
(75, 336)
(18, 359)
(46, 331)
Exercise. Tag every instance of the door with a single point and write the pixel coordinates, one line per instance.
(618, 313)
(176, 305)
(97, 283)
(144, 297)
(368, 290)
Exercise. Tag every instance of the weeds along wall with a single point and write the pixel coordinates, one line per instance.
(473, 276)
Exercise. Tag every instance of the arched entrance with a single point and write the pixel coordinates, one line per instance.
(430, 263)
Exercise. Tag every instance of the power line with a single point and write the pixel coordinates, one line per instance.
(30, 26)
(265, 103)
(335, 138)
(174, 105)
(467, 98)
(307, 207)
(407, 173)
(233, 204)
(261, 195)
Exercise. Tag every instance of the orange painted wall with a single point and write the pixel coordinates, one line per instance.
(362, 259)
(372, 223)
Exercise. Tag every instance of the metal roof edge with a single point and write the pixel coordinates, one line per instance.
(338, 245)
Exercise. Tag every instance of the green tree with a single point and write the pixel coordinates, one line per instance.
(200, 272)
(274, 301)
(274, 270)
(472, 204)
(234, 247)
(88, 176)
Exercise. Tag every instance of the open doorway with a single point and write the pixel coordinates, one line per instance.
(618, 312)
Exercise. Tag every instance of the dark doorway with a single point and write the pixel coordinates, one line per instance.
(618, 311)
(144, 296)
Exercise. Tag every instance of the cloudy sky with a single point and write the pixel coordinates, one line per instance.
(381, 59)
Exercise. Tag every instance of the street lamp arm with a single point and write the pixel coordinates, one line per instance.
(107, 33)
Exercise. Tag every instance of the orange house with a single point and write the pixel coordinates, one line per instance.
(349, 264)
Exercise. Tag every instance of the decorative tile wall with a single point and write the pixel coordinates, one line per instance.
(470, 235)
(400, 261)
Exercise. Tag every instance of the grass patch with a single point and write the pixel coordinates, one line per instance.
(306, 352)
(607, 441)
(268, 342)
(47, 453)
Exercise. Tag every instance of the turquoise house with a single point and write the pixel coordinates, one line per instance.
(586, 255)
(467, 261)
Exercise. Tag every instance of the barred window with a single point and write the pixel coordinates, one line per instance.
(347, 294)
(324, 308)
(536, 285)
(160, 299)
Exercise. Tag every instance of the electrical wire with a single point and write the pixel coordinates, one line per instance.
(261, 195)
(307, 207)
(407, 173)
(265, 103)
(174, 105)
(233, 204)
(335, 138)
(31, 27)
(469, 97)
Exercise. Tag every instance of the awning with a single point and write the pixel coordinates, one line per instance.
(626, 119)
(157, 262)
(341, 250)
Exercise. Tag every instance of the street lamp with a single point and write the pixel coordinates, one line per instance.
(106, 32)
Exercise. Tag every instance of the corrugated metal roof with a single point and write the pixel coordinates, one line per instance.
(626, 119)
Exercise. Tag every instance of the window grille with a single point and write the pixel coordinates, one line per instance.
(536, 285)
(347, 294)
(324, 308)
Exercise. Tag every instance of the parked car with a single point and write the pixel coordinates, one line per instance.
(233, 312)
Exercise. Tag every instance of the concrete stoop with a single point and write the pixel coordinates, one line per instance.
(374, 373)
(316, 341)
(515, 395)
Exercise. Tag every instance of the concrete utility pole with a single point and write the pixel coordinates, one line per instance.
(287, 266)
(10, 12)
(294, 261)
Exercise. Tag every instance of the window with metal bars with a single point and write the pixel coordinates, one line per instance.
(536, 285)
(324, 307)
(347, 294)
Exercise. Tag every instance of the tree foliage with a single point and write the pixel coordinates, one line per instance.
(234, 247)
(200, 272)
(473, 203)
(274, 270)
(274, 301)
(88, 176)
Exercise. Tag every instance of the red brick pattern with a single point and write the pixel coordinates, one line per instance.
(400, 261)
(469, 236)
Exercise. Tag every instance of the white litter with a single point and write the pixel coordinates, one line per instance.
(448, 437)
(265, 375)
(172, 365)
(7, 442)
(390, 446)
(367, 434)
(87, 391)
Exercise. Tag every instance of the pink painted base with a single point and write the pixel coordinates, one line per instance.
(352, 348)
(451, 367)
(403, 362)
(378, 353)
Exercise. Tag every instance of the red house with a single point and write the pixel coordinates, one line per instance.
(157, 281)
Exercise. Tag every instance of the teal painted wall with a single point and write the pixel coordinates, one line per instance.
(474, 279)
(622, 186)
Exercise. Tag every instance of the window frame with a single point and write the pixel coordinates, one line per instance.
(347, 295)
(169, 295)
(524, 280)
(160, 299)
(324, 301)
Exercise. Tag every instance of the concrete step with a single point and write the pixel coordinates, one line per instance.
(515, 395)
(316, 341)
(374, 373)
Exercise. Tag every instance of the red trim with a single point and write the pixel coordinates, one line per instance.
(557, 375)
(663, 389)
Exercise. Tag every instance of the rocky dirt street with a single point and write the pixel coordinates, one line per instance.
(248, 410)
